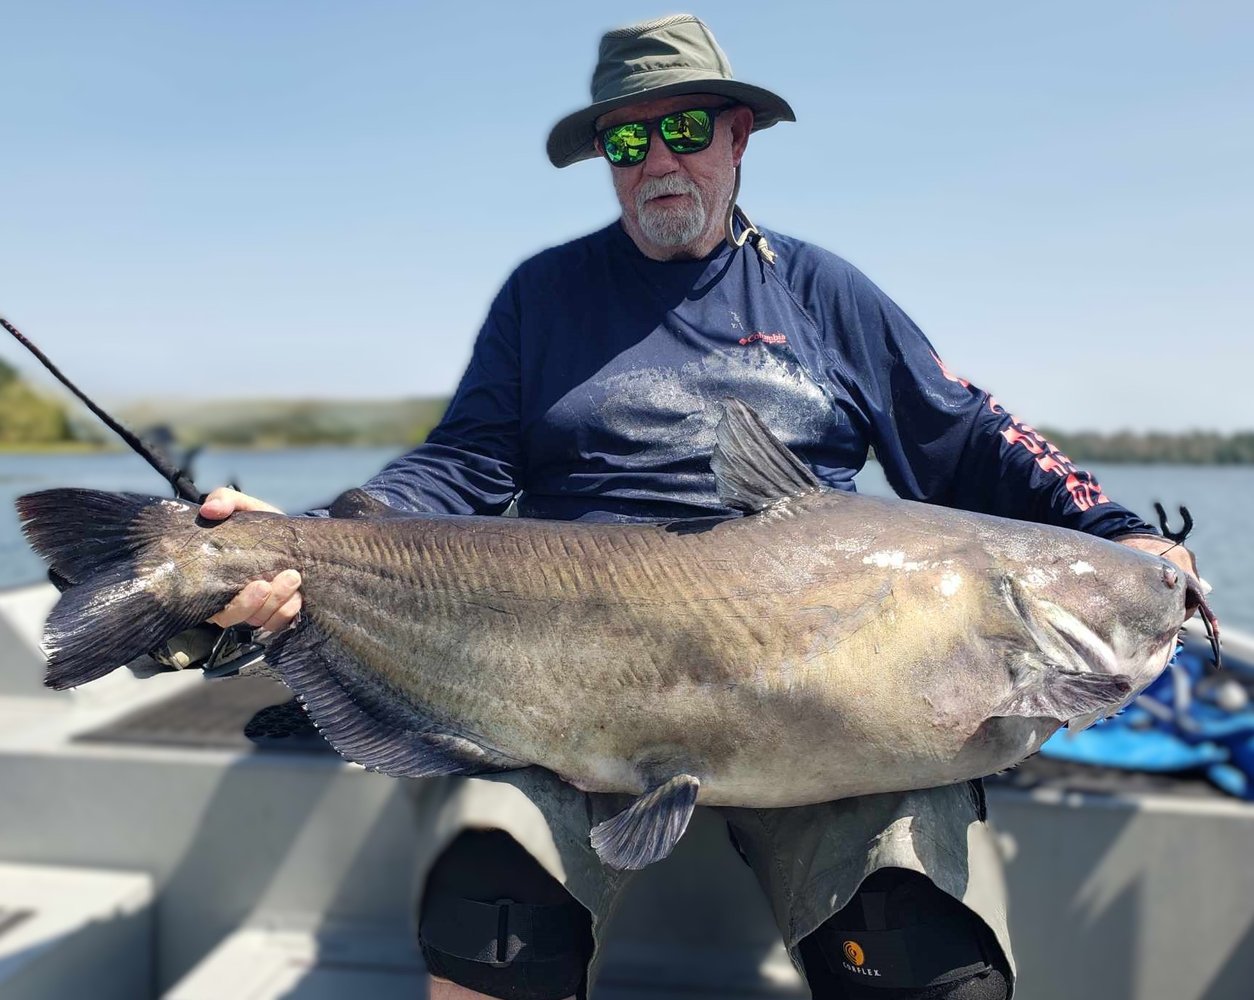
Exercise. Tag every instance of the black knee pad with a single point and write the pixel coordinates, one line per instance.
(901, 938)
(494, 921)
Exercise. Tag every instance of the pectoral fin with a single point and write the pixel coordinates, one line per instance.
(1055, 693)
(648, 830)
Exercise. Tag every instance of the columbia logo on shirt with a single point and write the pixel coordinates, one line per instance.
(766, 338)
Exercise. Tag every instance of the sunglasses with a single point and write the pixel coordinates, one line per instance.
(627, 145)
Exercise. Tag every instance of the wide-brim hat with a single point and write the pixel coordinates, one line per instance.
(642, 62)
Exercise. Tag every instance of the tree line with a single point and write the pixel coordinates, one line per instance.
(30, 419)
(1156, 448)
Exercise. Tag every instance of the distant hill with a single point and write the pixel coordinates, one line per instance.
(28, 418)
(287, 423)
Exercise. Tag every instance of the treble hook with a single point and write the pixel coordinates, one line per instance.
(1175, 536)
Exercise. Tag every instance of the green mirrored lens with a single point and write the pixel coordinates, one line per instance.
(627, 143)
(683, 132)
(687, 131)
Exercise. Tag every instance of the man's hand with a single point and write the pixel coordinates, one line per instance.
(1173, 552)
(271, 604)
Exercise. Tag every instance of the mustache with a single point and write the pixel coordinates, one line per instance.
(655, 187)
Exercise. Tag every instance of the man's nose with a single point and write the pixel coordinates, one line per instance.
(661, 159)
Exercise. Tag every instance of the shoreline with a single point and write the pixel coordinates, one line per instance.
(84, 448)
(88, 448)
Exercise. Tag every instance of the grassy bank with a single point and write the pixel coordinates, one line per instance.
(53, 447)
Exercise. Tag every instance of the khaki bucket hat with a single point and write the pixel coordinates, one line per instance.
(641, 62)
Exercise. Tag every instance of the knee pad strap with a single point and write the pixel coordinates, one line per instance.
(504, 932)
(494, 921)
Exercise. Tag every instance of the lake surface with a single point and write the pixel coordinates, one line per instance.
(1220, 498)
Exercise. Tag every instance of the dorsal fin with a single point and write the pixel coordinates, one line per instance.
(357, 503)
(752, 467)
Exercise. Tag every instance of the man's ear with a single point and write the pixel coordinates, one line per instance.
(741, 125)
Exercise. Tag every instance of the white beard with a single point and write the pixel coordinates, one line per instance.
(671, 225)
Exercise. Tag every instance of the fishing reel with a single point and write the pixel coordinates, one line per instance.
(216, 652)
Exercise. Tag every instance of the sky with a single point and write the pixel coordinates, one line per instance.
(296, 198)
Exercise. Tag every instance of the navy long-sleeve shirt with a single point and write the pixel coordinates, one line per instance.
(594, 388)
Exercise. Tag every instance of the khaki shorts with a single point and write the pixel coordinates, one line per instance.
(808, 860)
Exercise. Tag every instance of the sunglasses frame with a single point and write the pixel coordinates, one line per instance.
(653, 125)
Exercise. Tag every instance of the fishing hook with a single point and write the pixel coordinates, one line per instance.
(1209, 621)
(1175, 536)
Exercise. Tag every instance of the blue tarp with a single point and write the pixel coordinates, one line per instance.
(1174, 725)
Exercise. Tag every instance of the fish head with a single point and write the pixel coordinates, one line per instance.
(1103, 608)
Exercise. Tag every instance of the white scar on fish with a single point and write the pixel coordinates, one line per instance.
(895, 560)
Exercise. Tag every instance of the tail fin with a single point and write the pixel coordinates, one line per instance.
(125, 600)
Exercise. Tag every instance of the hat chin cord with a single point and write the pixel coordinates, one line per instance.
(749, 233)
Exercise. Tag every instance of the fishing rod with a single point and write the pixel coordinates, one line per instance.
(178, 478)
(219, 652)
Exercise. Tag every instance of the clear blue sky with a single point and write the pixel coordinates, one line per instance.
(320, 198)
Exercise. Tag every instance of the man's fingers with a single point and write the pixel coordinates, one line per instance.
(282, 588)
(219, 503)
(224, 501)
(243, 605)
(1173, 552)
(284, 617)
(260, 602)
(270, 605)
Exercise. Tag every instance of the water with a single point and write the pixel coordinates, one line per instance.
(1219, 497)
(294, 480)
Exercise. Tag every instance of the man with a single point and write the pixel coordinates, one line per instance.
(592, 394)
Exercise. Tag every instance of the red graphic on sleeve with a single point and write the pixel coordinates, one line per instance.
(1083, 488)
(950, 375)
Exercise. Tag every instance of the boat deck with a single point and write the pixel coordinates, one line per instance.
(296, 869)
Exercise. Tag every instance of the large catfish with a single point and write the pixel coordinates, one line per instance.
(824, 645)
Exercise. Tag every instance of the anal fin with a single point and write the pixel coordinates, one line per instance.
(1056, 693)
(648, 829)
(366, 721)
